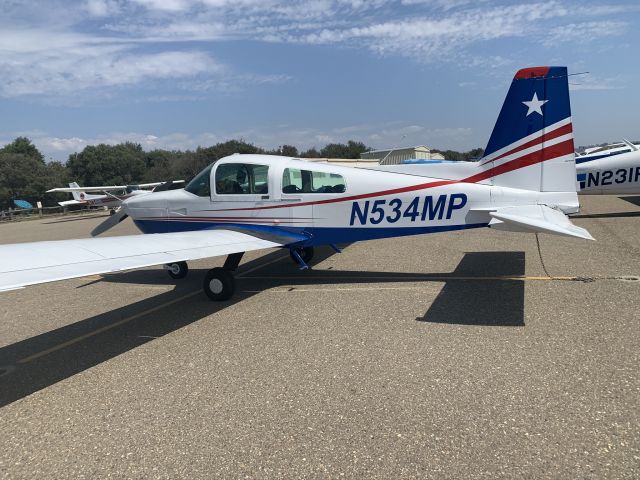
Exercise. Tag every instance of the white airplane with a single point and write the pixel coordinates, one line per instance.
(593, 153)
(610, 172)
(525, 183)
(107, 199)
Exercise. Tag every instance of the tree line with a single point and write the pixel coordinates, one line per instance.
(24, 174)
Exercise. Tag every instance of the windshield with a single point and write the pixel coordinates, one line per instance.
(201, 185)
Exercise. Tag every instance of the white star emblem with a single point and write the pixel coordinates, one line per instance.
(535, 105)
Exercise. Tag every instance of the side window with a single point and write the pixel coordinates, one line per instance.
(242, 179)
(323, 182)
(306, 181)
(292, 180)
(200, 185)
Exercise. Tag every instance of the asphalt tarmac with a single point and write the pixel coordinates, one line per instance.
(457, 355)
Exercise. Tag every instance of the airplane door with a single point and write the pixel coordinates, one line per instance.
(242, 190)
(299, 210)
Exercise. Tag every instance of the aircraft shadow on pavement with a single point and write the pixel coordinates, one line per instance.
(97, 339)
(635, 200)
(482, 302)
(608, 215)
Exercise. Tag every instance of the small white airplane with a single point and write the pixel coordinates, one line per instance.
(526, 183)
(107, 199)
(613, 171)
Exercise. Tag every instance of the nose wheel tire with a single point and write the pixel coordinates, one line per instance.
(219, 284)
(306, 253)
(177, 270)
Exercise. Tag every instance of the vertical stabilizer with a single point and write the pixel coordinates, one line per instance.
(531, 146)
(79, 196)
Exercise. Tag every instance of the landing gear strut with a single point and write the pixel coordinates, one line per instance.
(219, 284)
(177, 270)
(302, 256)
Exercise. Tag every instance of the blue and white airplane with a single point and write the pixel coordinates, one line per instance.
(610, 172)
(525, 183)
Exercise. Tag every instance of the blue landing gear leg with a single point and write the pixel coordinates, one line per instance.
(301, 256)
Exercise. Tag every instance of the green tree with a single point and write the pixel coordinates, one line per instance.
(23, 146)
(311, 153)
(351, 149)
(23, 173)
(107, 164)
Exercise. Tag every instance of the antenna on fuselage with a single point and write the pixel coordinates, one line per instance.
(391, 151)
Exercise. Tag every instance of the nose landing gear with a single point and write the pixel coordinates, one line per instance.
(177, 270)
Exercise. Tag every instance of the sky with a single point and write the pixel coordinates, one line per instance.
(177, 74)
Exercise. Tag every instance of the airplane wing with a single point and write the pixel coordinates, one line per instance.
(25, 264)
(70, 202)
(87, 189)
(155, 184)
(535, 218)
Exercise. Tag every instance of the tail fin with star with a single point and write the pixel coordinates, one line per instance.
(531, 146)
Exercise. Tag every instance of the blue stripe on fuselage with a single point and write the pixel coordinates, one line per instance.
(585, 158)
(316, 235)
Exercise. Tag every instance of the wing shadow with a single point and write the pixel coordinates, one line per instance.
(97, 339)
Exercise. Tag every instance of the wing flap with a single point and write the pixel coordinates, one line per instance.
(536, 218)
(39, 262)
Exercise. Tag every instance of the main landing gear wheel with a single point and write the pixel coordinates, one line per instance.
(177, 270)
(306, 253)
(219, 284)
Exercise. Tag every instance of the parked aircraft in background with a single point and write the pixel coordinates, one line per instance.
(594, 153)
(610, 172)
(107, 198)
(524, 183)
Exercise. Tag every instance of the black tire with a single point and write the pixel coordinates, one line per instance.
(219, 284)
(177, 270)
(112, 212)
(306, 253)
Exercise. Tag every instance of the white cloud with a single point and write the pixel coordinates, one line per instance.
(591, 82)
(585, 32)
(73, 66)
(102, 8)
(142, 41)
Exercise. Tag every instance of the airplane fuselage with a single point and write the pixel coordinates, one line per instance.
(613, 175)
(355, 204)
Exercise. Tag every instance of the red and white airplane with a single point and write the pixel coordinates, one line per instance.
(107, 199)
(526, 182)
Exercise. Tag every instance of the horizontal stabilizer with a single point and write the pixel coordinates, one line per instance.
(536, 218)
